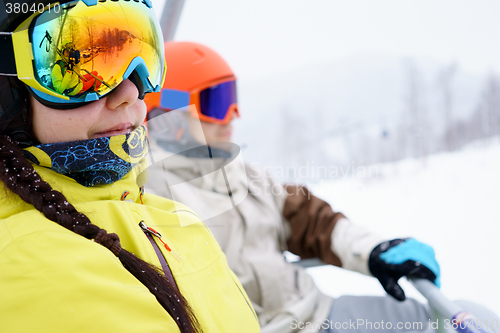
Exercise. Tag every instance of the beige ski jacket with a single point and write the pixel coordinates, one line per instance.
(255, 220)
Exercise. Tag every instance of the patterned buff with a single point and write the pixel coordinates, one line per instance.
(93, 162)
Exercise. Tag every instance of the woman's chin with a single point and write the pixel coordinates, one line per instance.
(225, 138)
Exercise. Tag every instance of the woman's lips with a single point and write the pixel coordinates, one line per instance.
(117, 130)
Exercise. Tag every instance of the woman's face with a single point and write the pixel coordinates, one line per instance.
(120, 112)
(212, 132)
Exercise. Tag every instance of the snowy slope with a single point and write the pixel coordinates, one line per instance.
(451, 202)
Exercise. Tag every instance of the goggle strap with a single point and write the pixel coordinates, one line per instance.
(8, 60)
(174, 99)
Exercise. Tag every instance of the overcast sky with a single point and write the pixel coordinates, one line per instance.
(261, 37)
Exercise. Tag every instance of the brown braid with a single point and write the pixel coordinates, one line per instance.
(19, 176)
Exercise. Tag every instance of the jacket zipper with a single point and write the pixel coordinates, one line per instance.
(150, 232)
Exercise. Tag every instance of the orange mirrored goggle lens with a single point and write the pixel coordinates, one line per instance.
(82, 50)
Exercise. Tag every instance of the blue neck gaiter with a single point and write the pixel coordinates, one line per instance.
(93, 162)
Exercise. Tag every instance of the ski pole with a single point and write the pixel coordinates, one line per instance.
(461, 320)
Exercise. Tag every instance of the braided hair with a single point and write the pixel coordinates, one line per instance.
(19, 176)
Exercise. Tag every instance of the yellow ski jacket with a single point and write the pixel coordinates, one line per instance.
(63, 80)
(53, 280)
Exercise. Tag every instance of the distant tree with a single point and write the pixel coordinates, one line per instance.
(416, 120)
(477, 126)
(446, 78)
(90, 35)
(386, 144)
(491, 104)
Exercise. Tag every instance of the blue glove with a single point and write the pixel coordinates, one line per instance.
(391, 260)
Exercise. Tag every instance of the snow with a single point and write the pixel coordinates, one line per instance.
(448, 201)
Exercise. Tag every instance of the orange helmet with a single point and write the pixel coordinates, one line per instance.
(196, 75)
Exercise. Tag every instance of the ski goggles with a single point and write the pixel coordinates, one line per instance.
(214, 103)
(80, 51)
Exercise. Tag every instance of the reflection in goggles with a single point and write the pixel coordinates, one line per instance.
(87, 49)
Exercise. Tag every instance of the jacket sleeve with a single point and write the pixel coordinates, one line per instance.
(311, 221)
(353, 243)
(57, 78)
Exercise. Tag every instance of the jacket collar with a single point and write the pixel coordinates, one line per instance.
(205, 173)
(76, 193)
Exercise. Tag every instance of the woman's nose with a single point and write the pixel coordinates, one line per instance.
(124, 95)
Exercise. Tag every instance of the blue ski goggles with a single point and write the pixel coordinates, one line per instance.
(80, 51)
(214, 104)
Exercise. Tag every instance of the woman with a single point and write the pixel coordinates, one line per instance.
(82, 248)
(255, 220)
